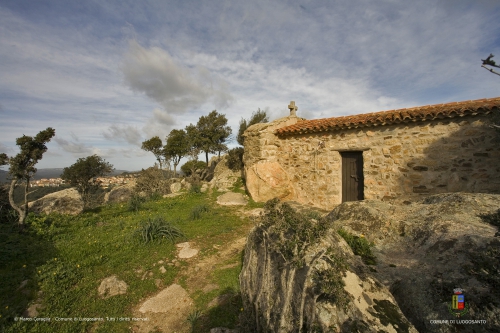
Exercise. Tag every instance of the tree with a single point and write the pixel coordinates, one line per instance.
(258, 116)
(191, 167)
(83, 175)
(22, 166)
(155, 146)
(210, 133)
(177, 146)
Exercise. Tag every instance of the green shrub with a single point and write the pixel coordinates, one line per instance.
(189, 166)
(155, 196)
(290, 232)
(135, 203)
(195, 188)
(157, 229)
(329, 283)
(197, 211)
(360, 246)
(235, 159)
(193, 317)
(152, 180)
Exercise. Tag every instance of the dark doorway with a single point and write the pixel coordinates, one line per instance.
(352, 176)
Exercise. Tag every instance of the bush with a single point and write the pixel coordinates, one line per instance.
(195, 188)
(157, 229)
(135, 203)
(360, 246)
(189, 166)
(151, 181)
(155, 196)
(235, 159)
(197, 211)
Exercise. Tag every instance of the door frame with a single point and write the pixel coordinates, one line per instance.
(358, 154)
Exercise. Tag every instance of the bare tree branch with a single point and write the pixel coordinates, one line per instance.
(490, 69)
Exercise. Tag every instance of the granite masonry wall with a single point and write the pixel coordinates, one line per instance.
(402, 161)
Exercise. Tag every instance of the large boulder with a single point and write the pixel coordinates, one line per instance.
(267, 180)
(300, 277)
(223, 177)
(175, 187)
(121, 193)
(424, 251)
(67, 201)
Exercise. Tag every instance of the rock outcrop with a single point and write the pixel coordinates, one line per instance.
(121, 193)
(302, 276)
(66, 201)
(175, 187)
(223, 177)
(268, 180)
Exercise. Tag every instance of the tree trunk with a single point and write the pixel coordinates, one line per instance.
(22, 214)
(206, 156)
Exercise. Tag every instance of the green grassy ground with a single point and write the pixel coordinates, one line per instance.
(64, 259)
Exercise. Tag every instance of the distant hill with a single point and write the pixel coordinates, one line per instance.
(48, 173)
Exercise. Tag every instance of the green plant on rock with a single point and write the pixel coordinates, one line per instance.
(290, 232)
(360, 246)
(157, 229)
(329, 283)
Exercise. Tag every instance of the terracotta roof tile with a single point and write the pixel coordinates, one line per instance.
(421, 113)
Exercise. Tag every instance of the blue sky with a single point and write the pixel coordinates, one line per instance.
(108, 75)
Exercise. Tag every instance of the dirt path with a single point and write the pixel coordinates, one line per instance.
(168, 310)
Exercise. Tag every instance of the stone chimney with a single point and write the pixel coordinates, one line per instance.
(293, 109)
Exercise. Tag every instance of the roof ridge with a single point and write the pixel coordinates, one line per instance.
(394, 116)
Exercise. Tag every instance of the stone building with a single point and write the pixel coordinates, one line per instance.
(397, 154)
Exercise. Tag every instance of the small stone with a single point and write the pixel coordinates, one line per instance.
(163, 270)
(112, 286)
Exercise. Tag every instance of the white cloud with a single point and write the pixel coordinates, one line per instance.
(177, 88)
(7, 150)
(75, 148)
(123, 133)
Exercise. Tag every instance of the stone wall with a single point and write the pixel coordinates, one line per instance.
(400, 161)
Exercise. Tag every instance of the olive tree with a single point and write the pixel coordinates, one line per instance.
(22, 166)
(259, 116)
(83, 174)
(155, 146)
(210, 134)
(178, 145)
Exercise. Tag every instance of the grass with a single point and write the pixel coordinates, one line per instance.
(64, 258)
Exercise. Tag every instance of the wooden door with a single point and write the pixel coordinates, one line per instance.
(352, 176)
